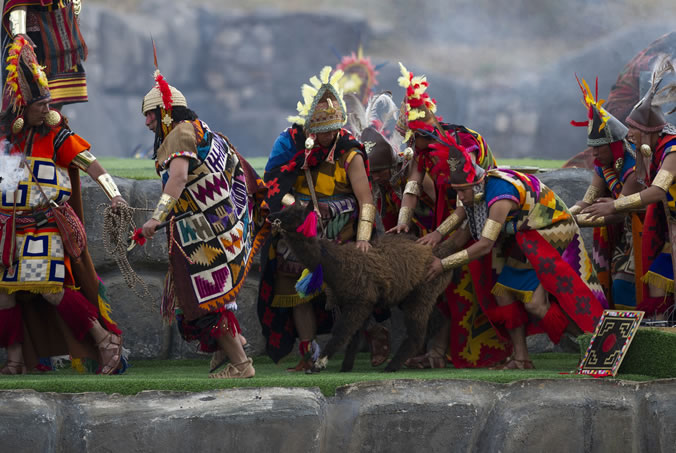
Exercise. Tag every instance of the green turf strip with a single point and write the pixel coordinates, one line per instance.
(145, 168)
(191, 376)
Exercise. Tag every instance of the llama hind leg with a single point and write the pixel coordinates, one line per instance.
(416, 316)
(351, 318)
(351, 352)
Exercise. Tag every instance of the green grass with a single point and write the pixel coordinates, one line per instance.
(191, 376)
(145, 168)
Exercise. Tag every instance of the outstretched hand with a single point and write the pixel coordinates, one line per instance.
(600, 208)
(401, 228)
(434, 270)
(364, 246)
(432, 238)
(117, 202)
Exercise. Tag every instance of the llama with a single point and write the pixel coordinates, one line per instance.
(392, 273)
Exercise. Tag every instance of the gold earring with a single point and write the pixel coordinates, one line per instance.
(17, 125)
(53, 118)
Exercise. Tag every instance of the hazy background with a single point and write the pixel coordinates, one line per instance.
(503, 68)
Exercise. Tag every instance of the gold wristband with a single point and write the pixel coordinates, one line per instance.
(364, 230)
(663, 180)
(575, 209)
(405, 214)
(164, 207)
(367, 213)
(17, 21)
(449, 224)
(108, 186)
(83, 160)
(627, 203)
(456, 260)
(413, 188)
(288, 200)
(584, 220)
(591, 194)
(491, 229)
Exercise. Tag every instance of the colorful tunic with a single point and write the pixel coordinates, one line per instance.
(613, 250)
(543, 245)
(42, 265)
(212, 250)
(656, 247)
(473, 341)
(54, 28)
(338, 206)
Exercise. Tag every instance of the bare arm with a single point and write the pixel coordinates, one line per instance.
(497, 213)
(409, 201)
(597, 188)
(95, 170)
(178, 177)
(356, 173)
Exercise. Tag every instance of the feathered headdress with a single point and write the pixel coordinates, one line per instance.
(323, 108)
(602, 127)
(647, 115)
(417, 109)
(454, 162)
(360, 75)
(162, 95)
(374, 125)
(26, 80)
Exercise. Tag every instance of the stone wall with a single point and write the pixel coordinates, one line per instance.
(398, 415)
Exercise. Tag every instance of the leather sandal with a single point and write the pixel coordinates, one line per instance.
(425, 361)
(242, 370)
(110, 352)
(13, 368)
(379, 344)
(220, 358)
(515, 364)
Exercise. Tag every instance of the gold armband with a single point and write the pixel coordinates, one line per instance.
(450, 224)
(491, 229)
(663, 180)
(591, 194)
(575, 209)
(164, 207)
(83, 160)
(456, 260)
(405, 214)
(413, 188)
(108, 186)
(288, 200)
(17, 21)
(584, 220)
(627, 203)
(367, 216)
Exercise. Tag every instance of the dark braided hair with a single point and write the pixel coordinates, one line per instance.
(178, 114)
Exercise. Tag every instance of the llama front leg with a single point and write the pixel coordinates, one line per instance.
(351, 352)
(416, 316)
(352, 317)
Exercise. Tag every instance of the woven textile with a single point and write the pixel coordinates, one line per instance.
(212, 250)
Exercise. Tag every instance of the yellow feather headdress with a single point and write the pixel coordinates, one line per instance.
(331, 114)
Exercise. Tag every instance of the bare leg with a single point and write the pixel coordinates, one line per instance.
(305, 321)
(654, 291)
(14, 351)
(240, 365)
(517, 335)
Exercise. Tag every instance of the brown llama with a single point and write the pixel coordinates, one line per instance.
(391, 274)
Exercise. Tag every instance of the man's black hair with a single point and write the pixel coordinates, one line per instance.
(177, 114)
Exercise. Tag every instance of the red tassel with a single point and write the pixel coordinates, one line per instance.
(138, 236)
(227, 324)
(580, 123)
(11, 326)
(512, 315)
(77, 312)
(555, 323)
(309, 226)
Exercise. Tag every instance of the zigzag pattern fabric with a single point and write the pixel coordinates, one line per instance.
(211, 250)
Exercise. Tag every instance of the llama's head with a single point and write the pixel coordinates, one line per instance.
(290, 218)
